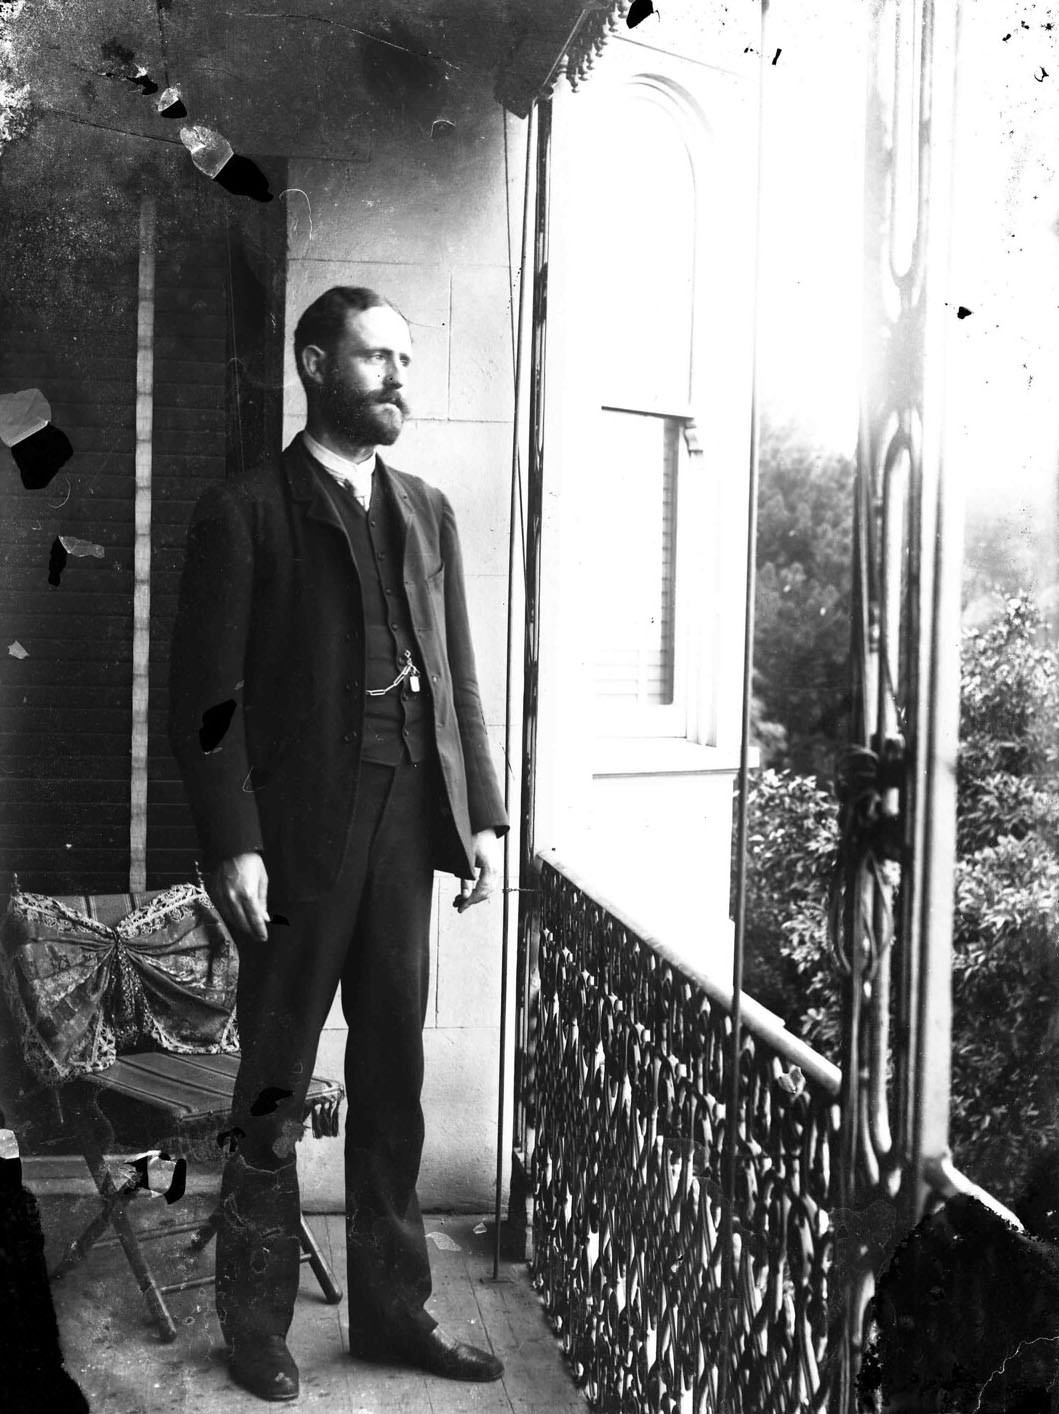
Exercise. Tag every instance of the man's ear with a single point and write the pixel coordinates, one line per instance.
(313, 360)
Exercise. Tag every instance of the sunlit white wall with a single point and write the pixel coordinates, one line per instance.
(811, 184)
(1004, 357)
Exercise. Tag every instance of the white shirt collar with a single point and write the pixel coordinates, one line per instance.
(357, 475)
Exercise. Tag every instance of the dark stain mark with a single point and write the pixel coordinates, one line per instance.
(215, 722)
(442, 127)
(243, 177)
(638, 12)
(144, 83)
(118, 52)
(279, 920)
(178, 1183)
(126, 66)
(57, 562)
(176, 1189)
(40, 456)
(269, 1101)
(963, 312)
(34, 1376)
(397, 68)
(1005, 38)
(776, 57)
(1040, 77)
(229, 1139)
(964, 1311)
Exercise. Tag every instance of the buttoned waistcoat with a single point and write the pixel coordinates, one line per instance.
(269, 632)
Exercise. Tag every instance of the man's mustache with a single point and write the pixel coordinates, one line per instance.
(394, 398)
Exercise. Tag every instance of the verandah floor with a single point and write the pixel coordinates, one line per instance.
(114, 1352)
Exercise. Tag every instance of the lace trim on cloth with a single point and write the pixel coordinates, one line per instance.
(84, 992)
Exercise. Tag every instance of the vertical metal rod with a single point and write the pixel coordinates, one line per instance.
(741, 817)
(732, 1106)
(513, 536)
(534, 515)
(938, 681)
(141, 593)
(535, 495)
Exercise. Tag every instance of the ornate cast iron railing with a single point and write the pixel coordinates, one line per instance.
(632, 1063)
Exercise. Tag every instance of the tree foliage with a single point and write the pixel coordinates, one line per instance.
(801, 640)
(1005, 1052)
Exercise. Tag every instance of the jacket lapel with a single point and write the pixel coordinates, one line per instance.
(307, 489)
(310, 497)
(388, 484)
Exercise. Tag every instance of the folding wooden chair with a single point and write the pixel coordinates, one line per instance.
(89, 978)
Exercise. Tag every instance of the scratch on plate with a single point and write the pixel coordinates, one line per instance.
(308, 203)
(327, 20)
(443, 1241)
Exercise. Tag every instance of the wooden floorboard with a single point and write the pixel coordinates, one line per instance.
(114, 1353)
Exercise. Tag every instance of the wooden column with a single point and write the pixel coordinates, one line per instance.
(141, 592)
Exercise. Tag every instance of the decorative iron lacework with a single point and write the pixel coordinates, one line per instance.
(590, 39)
(631, 1062)
(710, 32)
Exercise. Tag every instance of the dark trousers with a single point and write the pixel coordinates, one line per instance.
(371, 936)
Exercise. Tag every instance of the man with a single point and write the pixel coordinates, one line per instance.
(322, 636)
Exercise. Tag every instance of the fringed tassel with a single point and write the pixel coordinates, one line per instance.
(322, 1114)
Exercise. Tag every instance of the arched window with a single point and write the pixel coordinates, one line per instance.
(643, 218)
(645, 475)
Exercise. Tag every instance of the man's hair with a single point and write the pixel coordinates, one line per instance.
(324, 322)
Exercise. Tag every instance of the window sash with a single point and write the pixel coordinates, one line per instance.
(638, 683)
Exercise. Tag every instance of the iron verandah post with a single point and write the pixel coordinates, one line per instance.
(899, 812)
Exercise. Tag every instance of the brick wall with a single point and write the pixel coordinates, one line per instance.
(191, 341)
(68, 311)
(64, 708)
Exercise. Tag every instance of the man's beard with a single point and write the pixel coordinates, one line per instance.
(365, 419)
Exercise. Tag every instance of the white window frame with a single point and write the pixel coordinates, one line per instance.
(670, 719)
(700, 734)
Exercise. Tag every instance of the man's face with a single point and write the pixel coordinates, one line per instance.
(363, 375)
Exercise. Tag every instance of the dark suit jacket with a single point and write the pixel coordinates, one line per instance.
(270, 621)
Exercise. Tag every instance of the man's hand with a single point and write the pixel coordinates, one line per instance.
(487, 862)
(240, 891)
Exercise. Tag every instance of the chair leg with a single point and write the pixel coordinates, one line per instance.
(126, 1234)
(79, 1249)
(321, 1271)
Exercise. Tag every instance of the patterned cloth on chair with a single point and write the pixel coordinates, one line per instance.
(85, 990)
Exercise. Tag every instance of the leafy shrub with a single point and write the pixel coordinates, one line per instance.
(801, 638)
(1005, 1082)
(791, 844)
(1005, 1053)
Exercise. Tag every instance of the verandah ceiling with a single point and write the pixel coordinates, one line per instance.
(290, 77)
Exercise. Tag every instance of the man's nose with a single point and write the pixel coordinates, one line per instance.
(394, 374)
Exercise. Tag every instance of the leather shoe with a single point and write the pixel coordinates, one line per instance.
(265, 1367)
(437, 1353)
